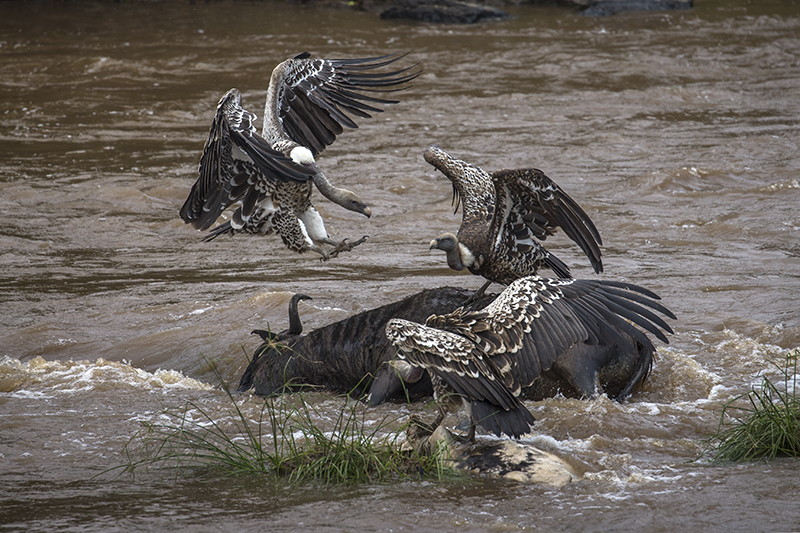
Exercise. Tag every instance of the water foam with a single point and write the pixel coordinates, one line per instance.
(40, 377)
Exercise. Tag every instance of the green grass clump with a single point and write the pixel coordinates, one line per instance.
(768, 425)
(284, 442)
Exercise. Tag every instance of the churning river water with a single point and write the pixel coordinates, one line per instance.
(678, 132)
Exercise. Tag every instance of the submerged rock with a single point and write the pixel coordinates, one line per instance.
(507, 459)
(443, 12)
(605, 8)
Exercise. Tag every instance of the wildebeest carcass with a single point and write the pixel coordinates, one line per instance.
(352, 356)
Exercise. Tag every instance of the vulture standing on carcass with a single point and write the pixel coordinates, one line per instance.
(309, 101)
(485, 358)
(505, 214)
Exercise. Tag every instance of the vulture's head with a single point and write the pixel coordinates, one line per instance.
(349, 200)
(459, 256)
(446, 241)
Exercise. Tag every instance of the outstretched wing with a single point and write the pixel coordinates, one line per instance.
(235, 160)
(534, 207)
(472, 186)
(534, 320)
(456, 360)
(314, 98)
(620, 304)
(524, 329)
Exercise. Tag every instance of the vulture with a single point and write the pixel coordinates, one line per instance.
(484, 358)
(505, 214)
(309, 103)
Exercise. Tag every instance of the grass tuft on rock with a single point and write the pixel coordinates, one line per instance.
(284, 442)
(763, 423)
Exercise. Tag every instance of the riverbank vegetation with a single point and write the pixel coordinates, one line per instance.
(285, 441)
(763, 423)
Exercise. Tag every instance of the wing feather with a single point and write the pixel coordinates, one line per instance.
(456, 360)
(533, 199)
(604, 297)
(317, 96)
(234, 155)
(639, 295)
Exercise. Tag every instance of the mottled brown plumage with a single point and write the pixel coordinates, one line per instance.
(505, 215)
(487, 357)
(309, 103)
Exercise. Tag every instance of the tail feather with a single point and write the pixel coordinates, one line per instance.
(515, 422)
(557, 266)
(222, 229)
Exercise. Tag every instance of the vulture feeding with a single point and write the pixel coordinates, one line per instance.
(505, 214)
(309, 102)
(484, 358)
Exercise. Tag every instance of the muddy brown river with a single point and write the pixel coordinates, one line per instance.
(679, 134)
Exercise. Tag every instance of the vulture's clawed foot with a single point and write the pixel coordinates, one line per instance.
(345, 246)
(324, 255)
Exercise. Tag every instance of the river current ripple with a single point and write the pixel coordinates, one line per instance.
(677, 132)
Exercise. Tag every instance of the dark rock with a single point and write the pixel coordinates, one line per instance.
(443, 12)
(606, 8)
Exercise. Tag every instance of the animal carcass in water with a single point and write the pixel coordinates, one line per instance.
(352, 356)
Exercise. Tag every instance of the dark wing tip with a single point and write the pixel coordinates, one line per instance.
(514, 422)
(222, 229)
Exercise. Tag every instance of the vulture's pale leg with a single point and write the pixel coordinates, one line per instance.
(321, 251)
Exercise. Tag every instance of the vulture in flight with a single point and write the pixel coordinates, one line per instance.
(484, 358)
(309, 102)
(505, 215)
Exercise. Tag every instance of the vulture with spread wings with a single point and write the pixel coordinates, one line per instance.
(505, 215)
(309, 103)
(485, 358)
